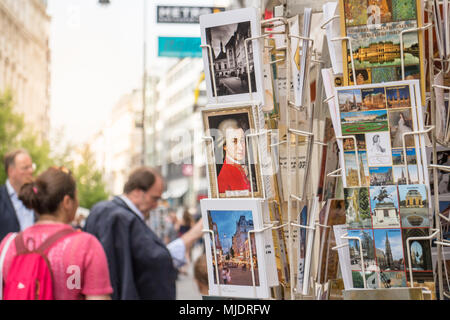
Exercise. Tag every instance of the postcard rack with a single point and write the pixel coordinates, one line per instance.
(431, 97)
(445, 63)
(297, 200)
(261, 133)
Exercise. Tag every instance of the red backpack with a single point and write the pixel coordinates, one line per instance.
(30, 276)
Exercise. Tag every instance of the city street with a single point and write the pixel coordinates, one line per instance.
(186, 286)
(234, 85)
(241, 277)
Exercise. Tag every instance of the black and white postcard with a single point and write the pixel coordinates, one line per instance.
(233, 66)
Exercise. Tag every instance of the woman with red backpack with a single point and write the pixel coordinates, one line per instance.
(50, 260)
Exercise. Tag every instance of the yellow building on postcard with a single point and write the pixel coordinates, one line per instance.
(399, 102)
(380, 52)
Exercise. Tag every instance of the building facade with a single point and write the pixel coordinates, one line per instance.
(118, 144)
(179, 151)
(25, 59)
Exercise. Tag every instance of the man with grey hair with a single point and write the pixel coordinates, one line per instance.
(14, 216)
(141, 266)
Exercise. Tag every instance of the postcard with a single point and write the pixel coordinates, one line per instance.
(351, 169)
(339, 231)
(350, 100)
(392, 279)
(398, 158)
(381, 176)
(384, 207)
(349, 143)
(331, 9)
(373, 98)
(234, 72)
(364, 121)
(372, 281)
(443, 158)
(299, 53)
(232, 253)
(420, 250)
(363, 76)
(279, 245)
(379, 149)
(333, 213)
(269, 99)
(363, 246)
(389, 248)
(294, 172)
(357, 208)
(414, 206)
(398, 97)
(444, 209)
(400, 122)
(374, 28)
(330, 163)
(233, 169)
(405, 175)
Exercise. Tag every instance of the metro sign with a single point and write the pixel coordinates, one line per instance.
(183, 14)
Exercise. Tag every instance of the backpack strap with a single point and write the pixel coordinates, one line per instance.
(51, 240)
(2, 261)
(20, 245)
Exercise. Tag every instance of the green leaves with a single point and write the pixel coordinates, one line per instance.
(14, 133)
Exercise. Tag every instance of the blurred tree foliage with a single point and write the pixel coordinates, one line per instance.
(14, 133)
(91, 188)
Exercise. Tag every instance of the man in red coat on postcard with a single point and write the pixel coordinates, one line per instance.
(233, 175)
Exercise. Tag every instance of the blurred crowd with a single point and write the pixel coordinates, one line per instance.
(130, 247)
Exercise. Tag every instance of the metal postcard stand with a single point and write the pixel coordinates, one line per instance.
(209, 141)
(361, 255)
(435, 167)
(260, 132)
(339, 172)
(309, 135)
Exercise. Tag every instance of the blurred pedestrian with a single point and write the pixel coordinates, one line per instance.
(76, 259)
(141, 266)
(14, 216)
(201, 275)
(186, 223)
(185, 226)
(224, 275)
(172, 227)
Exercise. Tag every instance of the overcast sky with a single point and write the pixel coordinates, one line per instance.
(96, 54)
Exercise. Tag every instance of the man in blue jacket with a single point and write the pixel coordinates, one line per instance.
(140, 265)
(14, 217)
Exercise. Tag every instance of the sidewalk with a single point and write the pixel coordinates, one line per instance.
(186, 286)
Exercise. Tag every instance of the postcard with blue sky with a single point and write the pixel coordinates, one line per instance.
(227, 222)
(384, 207)
(398, 159)
(381, 176)
(389, 248)
(349, 100)
(414, 206)
(368, 250)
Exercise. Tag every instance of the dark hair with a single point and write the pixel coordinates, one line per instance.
(187, 218)
(142, 178)
(49, 189)
(10, 158)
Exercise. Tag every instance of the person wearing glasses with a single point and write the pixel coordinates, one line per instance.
(141, 266)
(14, 216)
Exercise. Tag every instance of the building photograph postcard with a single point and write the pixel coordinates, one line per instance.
(233, 65)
